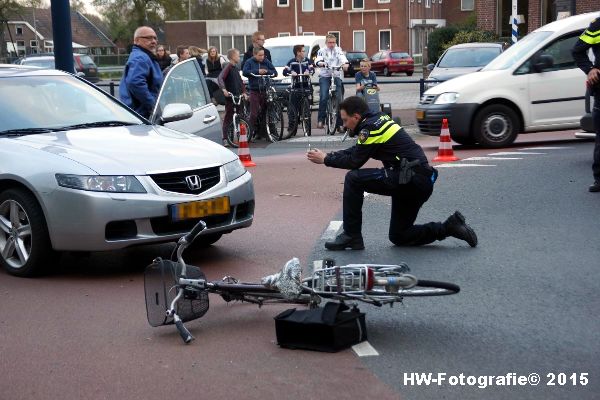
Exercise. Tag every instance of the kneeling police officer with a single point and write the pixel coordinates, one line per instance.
(406, 176)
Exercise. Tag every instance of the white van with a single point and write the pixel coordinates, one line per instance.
(533, 86)
(282, 50)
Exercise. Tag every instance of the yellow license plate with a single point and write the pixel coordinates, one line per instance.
(420, 114)
(199, 209)
(403, 62)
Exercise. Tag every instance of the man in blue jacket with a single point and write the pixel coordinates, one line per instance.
(142, 77)
(257, 65)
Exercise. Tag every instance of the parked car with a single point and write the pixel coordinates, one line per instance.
(462, 59)
(388, 62)
(354, 58)
(80, 171)
(533, 86)
(82, 63)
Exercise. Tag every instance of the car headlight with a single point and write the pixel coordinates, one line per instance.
(446, 98)
(101, 183)
(234, 170)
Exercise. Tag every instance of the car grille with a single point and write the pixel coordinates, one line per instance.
(432, 124)
(427, 99)
(176, 181)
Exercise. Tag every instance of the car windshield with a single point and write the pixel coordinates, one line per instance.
(86, 60)
(356, 56)
(40, 62)
(515, 53)
(398, 56)
(34, 102)
(468, 57)
(280, 55)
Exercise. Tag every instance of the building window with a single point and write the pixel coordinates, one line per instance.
(358, 4)
(214, 41)
(337, 36)
(283, 3)
(332, 4)
(385, 39)
(427, 3)
(283, 34)
(308, 34)
(226, 44)
(19, 30)
(308, 5)
(248, 41)
(33, 43)
(385, 1)
(238, 43)
(358, 40)
(467, 5)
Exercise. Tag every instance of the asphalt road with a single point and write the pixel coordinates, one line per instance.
(526, 305)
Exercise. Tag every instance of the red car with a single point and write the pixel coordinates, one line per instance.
(387, 62)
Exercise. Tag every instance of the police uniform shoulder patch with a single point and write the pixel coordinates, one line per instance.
(363, 135)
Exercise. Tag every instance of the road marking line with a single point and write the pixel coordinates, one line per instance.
(545, 148)
(364, 349)
(491, 158)
(512, 153)
(332, 229)
(462, 165)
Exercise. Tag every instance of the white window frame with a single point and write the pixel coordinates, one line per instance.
(427, 3)
(386, 1)
(17, 29)
(283, 34)
(307, 10)
(334, 8)
(287, 3)
(339, 36)
(466, 9)
(358, 8)
(308, 34)
(364, 40)
(379, 38)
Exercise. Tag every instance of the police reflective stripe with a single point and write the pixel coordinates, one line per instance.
(590, 37)
(383, 137)
(378, 131)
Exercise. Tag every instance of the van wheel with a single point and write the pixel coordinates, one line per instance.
(495, 126)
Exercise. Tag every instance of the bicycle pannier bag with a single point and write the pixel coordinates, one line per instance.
(330, 328)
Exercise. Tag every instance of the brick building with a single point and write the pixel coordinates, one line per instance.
(494, 15)
(369, 25)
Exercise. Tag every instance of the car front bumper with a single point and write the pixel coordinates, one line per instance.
(460, 117)
(96, 221)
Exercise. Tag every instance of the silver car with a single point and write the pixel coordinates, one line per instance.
(79, 171)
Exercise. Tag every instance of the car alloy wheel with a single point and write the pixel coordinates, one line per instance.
(15, 234)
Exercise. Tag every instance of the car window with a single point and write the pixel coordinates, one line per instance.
(560, 50)
(56, 101)
(515, 53)
(280, 55)
(356, 56)
(86, 60)
(399, 56)
(375, 57)
(468, 57)
(43, 63)
(183, 84)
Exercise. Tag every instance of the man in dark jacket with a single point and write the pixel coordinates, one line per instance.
(257, 65)
(406, 176)
(590, 38)
(258, 40)
(142, 76)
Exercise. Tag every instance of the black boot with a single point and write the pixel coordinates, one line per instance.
(455, 226)
(344, 241)
(595, 187)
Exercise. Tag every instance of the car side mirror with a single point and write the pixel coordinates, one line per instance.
(176, 112)
(430, 67)
(543, 62)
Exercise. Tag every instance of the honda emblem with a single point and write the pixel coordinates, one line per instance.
(193, 182)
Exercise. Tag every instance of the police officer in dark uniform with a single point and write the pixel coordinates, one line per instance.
(591, 38)
(406, 176)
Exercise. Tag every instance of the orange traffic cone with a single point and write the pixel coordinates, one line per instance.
(445, 152)
(244, 149)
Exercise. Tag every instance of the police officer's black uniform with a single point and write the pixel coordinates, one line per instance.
(591, 39)
(406, 176)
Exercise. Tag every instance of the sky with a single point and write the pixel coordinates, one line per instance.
(244, 4)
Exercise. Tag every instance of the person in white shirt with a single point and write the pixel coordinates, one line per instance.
(333, 56)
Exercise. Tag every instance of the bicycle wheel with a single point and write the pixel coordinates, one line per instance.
(305, 116)
(423, 288)
(233, 138)
(274, 117)
(332, 106)
(293, 119)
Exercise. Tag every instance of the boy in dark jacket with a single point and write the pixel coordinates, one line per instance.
(230, 83)
(257, 65)
(300, 68)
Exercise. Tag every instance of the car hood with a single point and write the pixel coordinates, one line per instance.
(131, 150)
(443, 74)
(462, 83)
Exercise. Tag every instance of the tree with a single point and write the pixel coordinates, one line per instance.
(8, 9)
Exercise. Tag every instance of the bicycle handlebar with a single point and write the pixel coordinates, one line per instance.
(199, 227)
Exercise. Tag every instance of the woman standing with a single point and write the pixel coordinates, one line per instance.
(214, 63)
(163, 57)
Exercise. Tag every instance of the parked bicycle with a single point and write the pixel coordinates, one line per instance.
(239, 121)
(273, 120)
(300, 99)
(333, 102)
(176, 292)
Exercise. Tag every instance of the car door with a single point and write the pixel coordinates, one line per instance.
(557, 93)
(185, 83)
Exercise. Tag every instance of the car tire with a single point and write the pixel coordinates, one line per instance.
(17, 206)
(496, 125)
(387, 72)
(410, 73)
(204, 241)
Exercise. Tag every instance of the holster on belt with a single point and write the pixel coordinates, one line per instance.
(406, 170)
